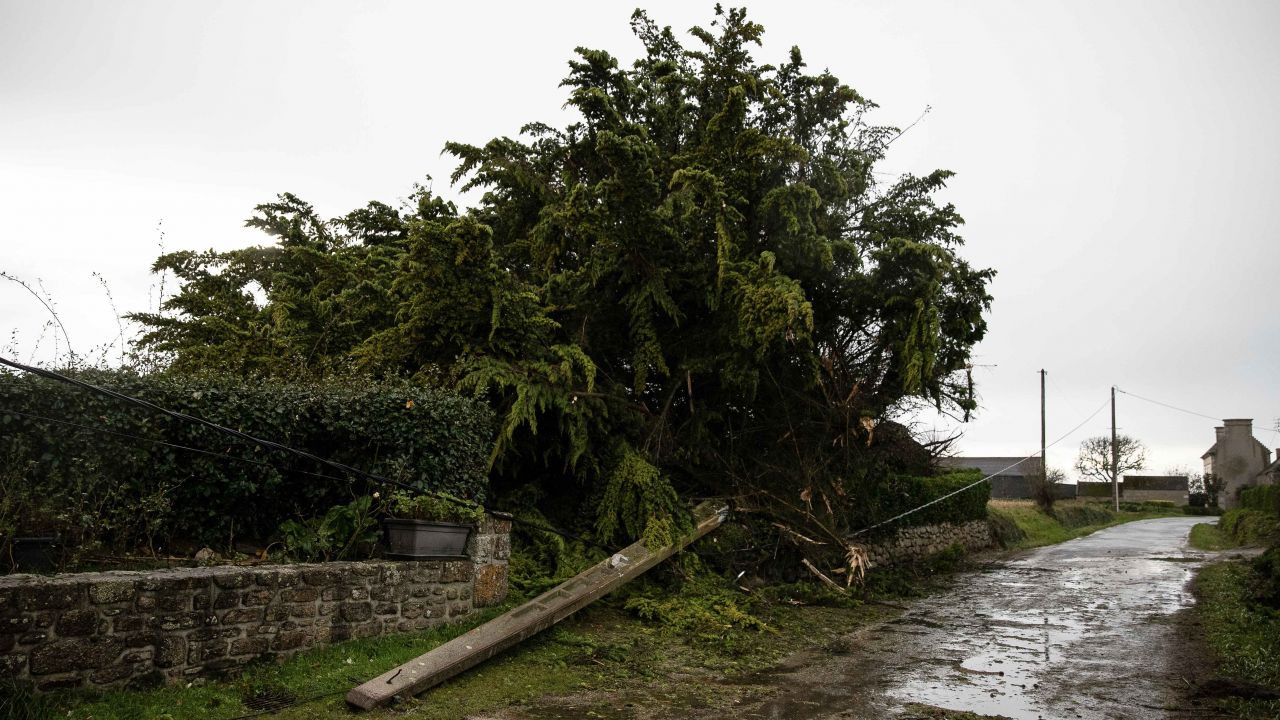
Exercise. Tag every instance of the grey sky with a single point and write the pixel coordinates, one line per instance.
(1116, 161)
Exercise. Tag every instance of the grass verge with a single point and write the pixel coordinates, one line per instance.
(325, 674)
(1208, 536)
(668, 643)
(1029, 527)
(1243, 635)
(672, 642)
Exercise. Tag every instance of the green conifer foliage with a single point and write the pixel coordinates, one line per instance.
(699, 283)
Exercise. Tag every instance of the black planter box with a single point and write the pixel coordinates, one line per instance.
(35, 554)
(420, 539)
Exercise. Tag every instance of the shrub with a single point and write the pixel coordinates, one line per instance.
(1266, 583)
(345, 532)
(1250, 527)
(1143, 506)
(1007, 532)
(1263, 498)
(442, 508)
(123, 492)
(1083, 515)
(900, 493)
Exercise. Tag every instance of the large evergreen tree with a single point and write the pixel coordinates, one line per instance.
(700, 283)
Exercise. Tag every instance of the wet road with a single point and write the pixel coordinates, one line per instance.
(1084, 629)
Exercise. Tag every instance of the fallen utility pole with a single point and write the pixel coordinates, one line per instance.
(481, 643)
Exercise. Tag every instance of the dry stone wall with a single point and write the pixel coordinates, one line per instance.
(112, 629)
(918, 543)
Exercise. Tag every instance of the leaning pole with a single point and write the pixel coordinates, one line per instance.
(481, 643)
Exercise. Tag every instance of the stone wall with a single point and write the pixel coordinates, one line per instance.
(918, 543)
(125, 628)
(1177, 497)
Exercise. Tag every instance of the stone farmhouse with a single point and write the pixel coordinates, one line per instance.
(1240, 460)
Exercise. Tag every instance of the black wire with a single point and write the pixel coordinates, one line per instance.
(1167, 405)
(51, 375)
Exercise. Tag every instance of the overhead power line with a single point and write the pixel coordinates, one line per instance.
(976, 483)
(1167, 405)
(1184, 410)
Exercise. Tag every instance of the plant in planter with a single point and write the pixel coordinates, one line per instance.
(30, 529)
(426, 526)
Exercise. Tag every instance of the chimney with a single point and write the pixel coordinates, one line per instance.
(1238, 430)
(1218, 432)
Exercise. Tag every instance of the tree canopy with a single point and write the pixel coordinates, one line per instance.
(1094, 459)
(701, 282)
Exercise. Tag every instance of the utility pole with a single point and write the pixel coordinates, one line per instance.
(1044, 461)
(1115, 458)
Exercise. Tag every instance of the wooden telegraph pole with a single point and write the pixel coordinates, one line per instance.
(1115, 458)
(1044, 461)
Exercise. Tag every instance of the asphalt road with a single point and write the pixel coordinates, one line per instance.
(1086, 629)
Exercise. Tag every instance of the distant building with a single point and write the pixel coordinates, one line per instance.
(1272, 471)
(1239, 460)
(1162, 488)
(1012, 476)
(1095, 489)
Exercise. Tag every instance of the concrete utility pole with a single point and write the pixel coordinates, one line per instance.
(1044, 461)
(1115, 457)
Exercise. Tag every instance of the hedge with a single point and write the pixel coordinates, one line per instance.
(1250, 527)
(1263, 498)
(899, 493)
(124, 492)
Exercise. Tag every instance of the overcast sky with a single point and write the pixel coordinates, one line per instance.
(1117, 163)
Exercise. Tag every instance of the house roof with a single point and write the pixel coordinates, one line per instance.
(994, 465)
(1213, 449)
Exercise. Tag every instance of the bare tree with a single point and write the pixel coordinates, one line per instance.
(1043, 487)
(1094, 460)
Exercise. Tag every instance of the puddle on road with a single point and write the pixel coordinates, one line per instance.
(1076, 631)
(1052, 636)
(1003, 655)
